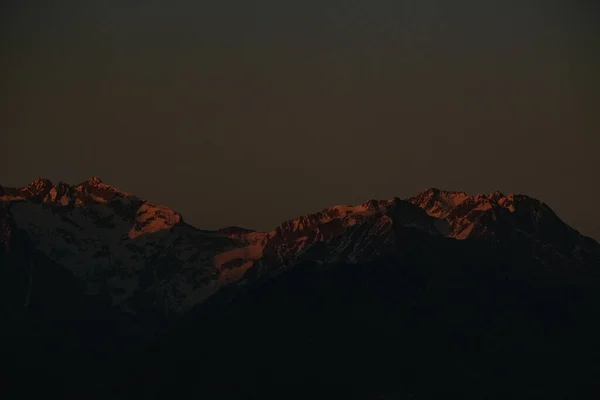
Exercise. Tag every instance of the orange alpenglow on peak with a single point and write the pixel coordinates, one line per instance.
(94, 180)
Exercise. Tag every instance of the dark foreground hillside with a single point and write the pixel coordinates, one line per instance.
(435, 317)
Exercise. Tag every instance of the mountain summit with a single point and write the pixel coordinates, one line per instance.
(41, 189)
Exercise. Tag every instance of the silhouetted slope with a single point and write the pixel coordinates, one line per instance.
(434, 317)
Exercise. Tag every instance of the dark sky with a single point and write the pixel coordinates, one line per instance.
(251, 112)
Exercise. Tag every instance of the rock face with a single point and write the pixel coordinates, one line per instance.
(103, 269)
(502, 217)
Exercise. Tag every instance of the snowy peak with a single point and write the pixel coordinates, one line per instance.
(43, 190)
(95, 190)
(378, 217)
(38, 186)
(94, 180)
(439, 203)
(293, 236)
(127, 212)
(468, 216)
(36, 190)
(489, 215)
(495, 195)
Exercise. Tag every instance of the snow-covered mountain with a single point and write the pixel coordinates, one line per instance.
(135, 254)
(496, 216)
(86, 262)
(118, 246)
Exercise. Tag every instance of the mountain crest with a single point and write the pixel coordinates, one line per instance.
(495, 195)
(38, 186)
(94, 180)
(94, 188)
(40, 182)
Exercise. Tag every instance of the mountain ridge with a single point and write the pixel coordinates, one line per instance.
(93, 223)
(446, 199)
(453, 214)
(89, 269)
(112, 240)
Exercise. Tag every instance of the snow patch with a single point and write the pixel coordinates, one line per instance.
(152, 218)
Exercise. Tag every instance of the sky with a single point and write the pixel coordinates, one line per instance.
(240, 112)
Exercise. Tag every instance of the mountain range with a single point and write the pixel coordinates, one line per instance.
(357, 298)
